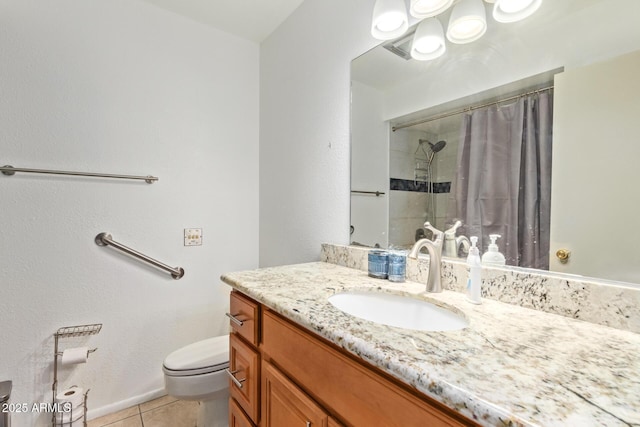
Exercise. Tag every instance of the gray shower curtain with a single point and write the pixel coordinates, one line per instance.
(503, 183)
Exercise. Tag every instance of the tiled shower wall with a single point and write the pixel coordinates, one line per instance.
(409, 207)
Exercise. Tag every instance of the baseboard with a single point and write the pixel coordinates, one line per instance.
(124, 404)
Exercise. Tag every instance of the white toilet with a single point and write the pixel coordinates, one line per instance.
(197, 372)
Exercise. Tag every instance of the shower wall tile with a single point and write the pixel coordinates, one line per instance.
(407, 213)
(419, 186)
(402, 234)
(401, 165)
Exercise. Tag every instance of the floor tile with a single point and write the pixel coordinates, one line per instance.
(135, 421)
(116, 416)
(156, 403)
(182, 413)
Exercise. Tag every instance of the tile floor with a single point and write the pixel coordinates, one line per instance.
(163, 412)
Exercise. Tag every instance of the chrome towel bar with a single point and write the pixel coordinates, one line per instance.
(104, 239)
(10, 170)
(377, 193)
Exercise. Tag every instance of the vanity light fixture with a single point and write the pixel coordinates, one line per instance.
(428, 40)
(514, 10)
(389, 19)
(427, 8)
(468, 22)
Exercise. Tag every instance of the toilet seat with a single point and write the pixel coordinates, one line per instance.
(199, 358)
(190, 372)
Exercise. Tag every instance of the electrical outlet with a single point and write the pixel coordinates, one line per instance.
(193, 236)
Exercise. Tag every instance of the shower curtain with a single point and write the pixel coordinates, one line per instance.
(503, 182)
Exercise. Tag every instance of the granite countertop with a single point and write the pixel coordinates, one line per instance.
(511, 366)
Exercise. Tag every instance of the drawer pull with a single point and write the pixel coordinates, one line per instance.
(234, 319)
(236, 381)
(308, 423)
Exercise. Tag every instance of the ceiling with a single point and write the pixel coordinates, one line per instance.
(250, 19)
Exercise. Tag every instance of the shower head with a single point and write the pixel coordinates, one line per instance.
(438, 146)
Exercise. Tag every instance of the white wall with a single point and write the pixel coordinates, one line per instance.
(120, 86)
(304, 128)
(369, 167)
(594, 195)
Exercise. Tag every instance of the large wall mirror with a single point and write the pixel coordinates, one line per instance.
(530, 132)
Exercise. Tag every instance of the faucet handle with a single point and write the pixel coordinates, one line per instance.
(451, 232)
(437, 234)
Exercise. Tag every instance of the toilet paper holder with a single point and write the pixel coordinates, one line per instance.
(70, 332)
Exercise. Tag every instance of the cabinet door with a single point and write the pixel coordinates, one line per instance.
(244, 367)
(237, 418)
(284, 404)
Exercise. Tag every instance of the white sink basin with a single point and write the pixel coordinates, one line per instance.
(400, 311)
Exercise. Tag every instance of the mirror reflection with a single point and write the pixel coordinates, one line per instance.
(527, 133)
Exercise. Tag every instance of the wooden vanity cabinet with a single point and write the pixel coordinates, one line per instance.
(307, 381)
(244, 361)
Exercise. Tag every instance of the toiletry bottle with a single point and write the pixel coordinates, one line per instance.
(475, 268)
(493, 256)
(378, 263)
(397, 266)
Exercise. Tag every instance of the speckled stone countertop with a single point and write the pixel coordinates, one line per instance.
(511, 366)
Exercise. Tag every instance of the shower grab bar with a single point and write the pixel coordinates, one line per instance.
(377, 193)
(10, 170)
(104, 239)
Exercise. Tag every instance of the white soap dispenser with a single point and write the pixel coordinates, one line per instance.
(493, 257)
(474, 283)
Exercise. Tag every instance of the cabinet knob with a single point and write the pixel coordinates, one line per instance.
(563, 255)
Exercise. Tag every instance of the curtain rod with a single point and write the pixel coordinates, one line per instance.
(467, 109)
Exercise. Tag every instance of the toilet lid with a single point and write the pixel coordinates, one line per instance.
(210, 353)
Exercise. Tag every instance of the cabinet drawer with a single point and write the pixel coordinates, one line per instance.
(360, 395)
(244, 383)
(284, 404)
(237, 418)
(244, 317)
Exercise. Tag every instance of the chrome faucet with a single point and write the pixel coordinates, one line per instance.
(452, 244)
(434, 248)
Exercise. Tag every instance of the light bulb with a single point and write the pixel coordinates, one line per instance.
(428, 41)
(389, 19)
(468, 22)
(514, 10)
(428, 8)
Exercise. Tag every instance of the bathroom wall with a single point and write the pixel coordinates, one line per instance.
(120, 86)
(608, 152)
(304, 128)
(369, 168)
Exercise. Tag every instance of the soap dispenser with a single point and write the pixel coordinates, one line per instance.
(493, 257)
(474, 283)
